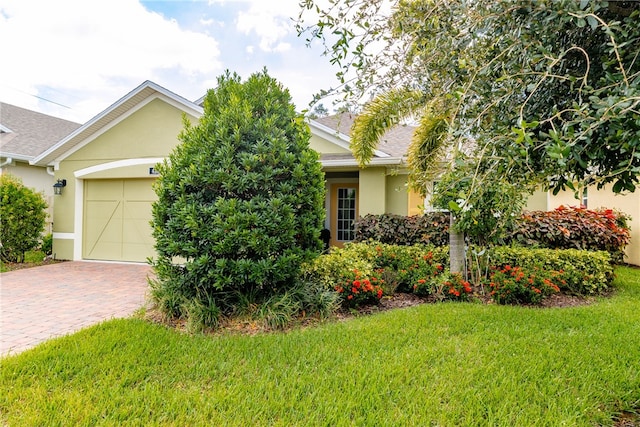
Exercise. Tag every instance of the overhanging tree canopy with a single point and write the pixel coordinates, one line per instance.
(548, 91)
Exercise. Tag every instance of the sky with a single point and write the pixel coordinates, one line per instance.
(74, 58)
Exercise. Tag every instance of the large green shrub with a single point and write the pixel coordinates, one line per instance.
(562, 228)
(575, 227)
(240, 201)
(22, 218)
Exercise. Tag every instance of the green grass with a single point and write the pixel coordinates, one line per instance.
(446, 364)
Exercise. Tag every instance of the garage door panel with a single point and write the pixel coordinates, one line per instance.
(102, 220)
(117, 220)
(141, 189)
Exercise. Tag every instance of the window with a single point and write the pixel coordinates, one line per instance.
(346, 210)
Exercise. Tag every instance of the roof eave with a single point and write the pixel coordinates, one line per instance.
(386, 161)
(340, 139)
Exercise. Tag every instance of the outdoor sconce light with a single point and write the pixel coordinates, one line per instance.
(58, 186)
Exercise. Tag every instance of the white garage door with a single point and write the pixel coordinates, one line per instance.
(116, 219)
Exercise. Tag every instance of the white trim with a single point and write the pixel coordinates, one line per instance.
(117, 164)
(78, 219)
(5, 129)
(64, 236)
(353, 162)
(15, 156)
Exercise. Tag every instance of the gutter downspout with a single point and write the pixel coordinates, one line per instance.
(6, 162)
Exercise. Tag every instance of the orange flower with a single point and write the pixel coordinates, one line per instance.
(421, 281)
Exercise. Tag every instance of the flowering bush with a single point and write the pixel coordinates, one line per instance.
(423, 270)
(583, 272)
(446, 286)
(515, 285)
(357, 290)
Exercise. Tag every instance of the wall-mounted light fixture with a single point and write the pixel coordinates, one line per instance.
(58, 186)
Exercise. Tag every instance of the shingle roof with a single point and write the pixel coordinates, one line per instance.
(28, 133)
(395, 142)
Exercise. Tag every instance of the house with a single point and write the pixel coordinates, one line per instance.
(352, 191)
(23, 135)
(108, 165)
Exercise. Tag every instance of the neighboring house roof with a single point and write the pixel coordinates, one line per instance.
(24, 133)
(392, 148)
(131, 102)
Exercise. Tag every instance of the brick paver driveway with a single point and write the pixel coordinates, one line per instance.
(53, 300)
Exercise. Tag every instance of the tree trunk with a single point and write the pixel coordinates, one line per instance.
(456, 247)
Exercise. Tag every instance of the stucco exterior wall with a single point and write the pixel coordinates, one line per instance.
(326, 147)
(397, 197)
(373, 188)
(537, 201)
(605, 198)
(126, 150)
(36, 178)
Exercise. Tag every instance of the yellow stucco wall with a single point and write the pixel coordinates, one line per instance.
(397, 197)
(605, 198)
(383, 192)
(148, 133)
(537, 201)
(373, 187)
(326, 147)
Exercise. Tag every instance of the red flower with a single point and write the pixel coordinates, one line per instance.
(356, 283)
(350, 297)
(379, 293)
(421, 281)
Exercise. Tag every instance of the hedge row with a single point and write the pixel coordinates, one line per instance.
(581, 272)
(578, 228)
(363, 272)
(562, 228)
(431, 228)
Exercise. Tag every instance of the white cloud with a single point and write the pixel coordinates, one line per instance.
(88, 54)
(87, 48)
(271, 21)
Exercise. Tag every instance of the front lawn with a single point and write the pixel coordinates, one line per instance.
(436, 364)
